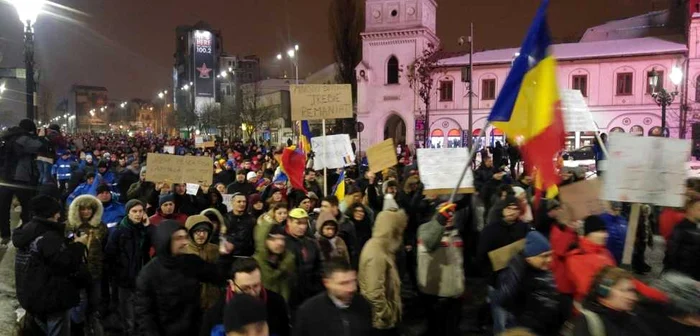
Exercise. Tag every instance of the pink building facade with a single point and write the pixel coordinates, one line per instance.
(609, 65)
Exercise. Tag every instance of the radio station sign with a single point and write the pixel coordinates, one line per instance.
(204, 63)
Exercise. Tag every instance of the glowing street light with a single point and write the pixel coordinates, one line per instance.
(293, 55)
(28, 12)
(2, 88)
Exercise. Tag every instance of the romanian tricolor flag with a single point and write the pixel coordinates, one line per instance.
(339, 188)
(305, 136)
(528, 108)
(293, 163)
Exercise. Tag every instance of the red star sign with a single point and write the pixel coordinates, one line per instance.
(204, 71)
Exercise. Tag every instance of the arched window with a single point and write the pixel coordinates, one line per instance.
(697, 89)
(392, 71)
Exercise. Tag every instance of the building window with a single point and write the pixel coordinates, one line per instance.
(659, 82)
(488, 89)
(446, 90)
(697, 89)
(624, 84)
(392, 71)
(580, 82)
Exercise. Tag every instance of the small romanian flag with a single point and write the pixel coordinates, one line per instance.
(339, 188)
(528, 108)
(305, 136)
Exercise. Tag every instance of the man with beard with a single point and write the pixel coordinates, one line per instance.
(311, 184)
(246, 279)
(338, 311)
(167, 289)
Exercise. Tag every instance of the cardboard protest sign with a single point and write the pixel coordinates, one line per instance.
(577, 115)
(336, 153)
(501, 256)
(382, 156)
(321, 101)
(582, 199)
(648, 170)
(179, 169)
(439, 169)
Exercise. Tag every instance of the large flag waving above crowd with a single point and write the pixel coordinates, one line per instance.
(528, 108)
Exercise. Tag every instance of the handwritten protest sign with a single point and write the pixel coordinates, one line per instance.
(439, 170)
(169, 149)
(382, 156)
(336, 153)
(192, 188)
(501, 257)
(582, 199)
(646, 170)
(321, 101)
(226, 199)
(179, 169)
(577, 115)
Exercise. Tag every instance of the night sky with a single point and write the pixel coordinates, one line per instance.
(127, 45)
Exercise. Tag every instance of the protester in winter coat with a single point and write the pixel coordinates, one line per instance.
(363, 226)
(46, 266)
(506, 230)
(113, 211)
(89, 187)
(217, 220)
(241, 185)
(240, 227)
(277, 266)
(199, 231)
(62, 169)
(680, 316)
(188, 204)
(616, 226)
(683, 248)
(311, 184)
(608, 308)
(166, 211)
(307, 258)
(84, 218)
(125, 254)
(127, 177)
(440, 270)
(107, 176)
(277, 215)
(215, 200)
(168, 287)
(378, 273)
(331, 246)
(589, 257)
(527, 289)
(339, 310)
(246, 279)
(256, 207)
(244, 315)
(146, 192)
(668, 219)
(346, 230)
(564, 238)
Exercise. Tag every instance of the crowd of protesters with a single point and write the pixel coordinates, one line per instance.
(102, 249)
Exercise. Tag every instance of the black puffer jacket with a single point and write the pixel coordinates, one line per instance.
(531, 296)
(47, 267)
(167, 289)
(240, 230)
(126, 252)
(24, 147)
(307, 257)
(614, 322)
(683, 250)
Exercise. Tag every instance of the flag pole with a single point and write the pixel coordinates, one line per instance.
(472, 152)
(325, 170)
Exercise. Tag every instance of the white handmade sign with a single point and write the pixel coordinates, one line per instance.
(192, 188)
(169, 149)
(439, 169)
(646, 170)
(226, 199)
(577, 115)
(336, 153)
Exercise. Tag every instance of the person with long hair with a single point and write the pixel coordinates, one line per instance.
(277, 215)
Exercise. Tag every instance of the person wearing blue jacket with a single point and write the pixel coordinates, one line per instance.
(113, 210)
(616, 226)
(62, 169)
(90, 185)
(107, 175)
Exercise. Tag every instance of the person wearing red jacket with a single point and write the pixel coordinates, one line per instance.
(668, 219)
(166, 210)
(591, 255)
(563, 238)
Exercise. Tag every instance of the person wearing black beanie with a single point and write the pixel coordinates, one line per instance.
(245, 315)
(590, 256)
(42, 250)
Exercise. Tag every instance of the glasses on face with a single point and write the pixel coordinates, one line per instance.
(250, 289)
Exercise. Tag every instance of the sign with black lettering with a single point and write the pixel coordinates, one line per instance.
(321, 101)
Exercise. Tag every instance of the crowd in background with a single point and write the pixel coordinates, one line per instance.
(102, 248)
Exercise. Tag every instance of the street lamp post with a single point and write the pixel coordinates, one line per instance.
(28, 11)
(293, 55)
(663, 97)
